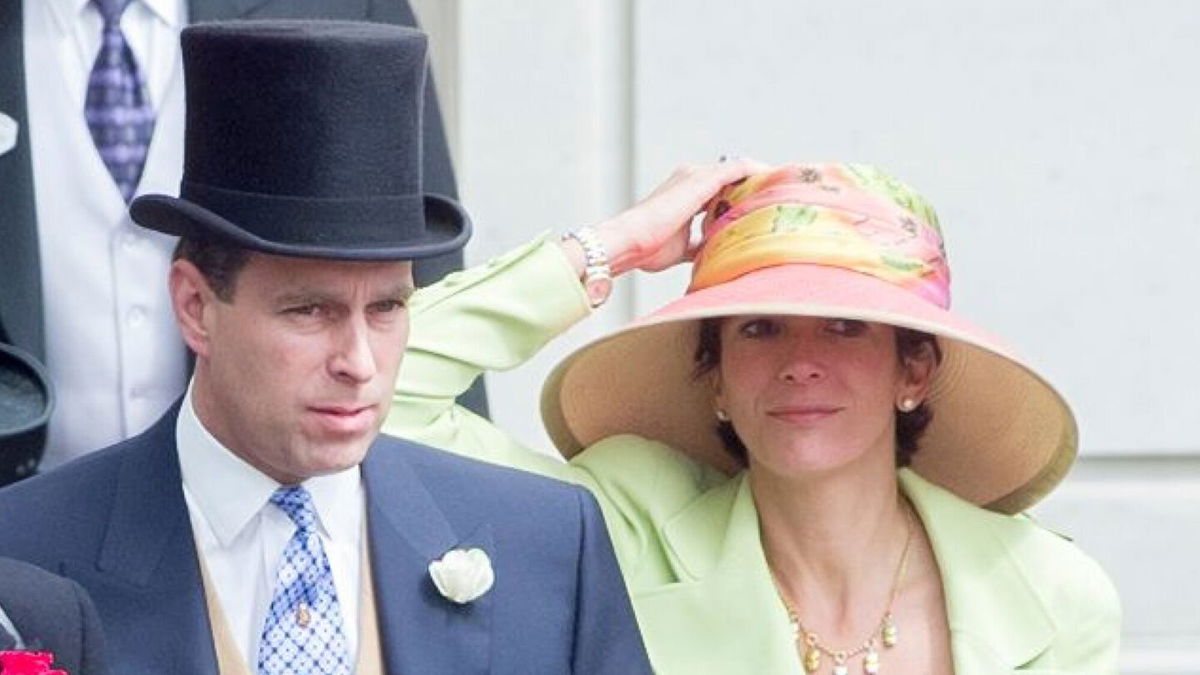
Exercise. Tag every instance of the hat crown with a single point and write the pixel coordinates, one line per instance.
(853, 216)
(304, 139)
(324, 109)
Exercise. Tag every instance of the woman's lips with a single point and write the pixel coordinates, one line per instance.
(803, 414)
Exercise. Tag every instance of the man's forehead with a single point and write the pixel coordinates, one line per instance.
(285, 273)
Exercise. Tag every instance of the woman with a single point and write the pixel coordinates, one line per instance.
(749, 442)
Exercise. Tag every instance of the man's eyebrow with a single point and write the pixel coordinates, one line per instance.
(401, 291)
(308, 296)
(302, 296)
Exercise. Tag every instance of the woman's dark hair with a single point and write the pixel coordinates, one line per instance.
(909, 425)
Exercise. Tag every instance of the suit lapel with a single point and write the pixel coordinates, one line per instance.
(724, 586)
(146, 580)
(21, 300)
(997, 620)
(421, 631)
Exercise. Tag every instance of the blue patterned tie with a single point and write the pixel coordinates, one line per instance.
(117, 109)
(303, 630)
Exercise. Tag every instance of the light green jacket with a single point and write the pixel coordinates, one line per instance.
(1018, 598)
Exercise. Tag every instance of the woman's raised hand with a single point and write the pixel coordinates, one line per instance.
(652, 235)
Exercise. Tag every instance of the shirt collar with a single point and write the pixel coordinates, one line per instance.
(230, 493)
(171, 12)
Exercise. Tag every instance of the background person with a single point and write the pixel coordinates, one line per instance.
(41, 612)
(750, 443)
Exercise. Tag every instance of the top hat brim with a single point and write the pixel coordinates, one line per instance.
(447, 228)
(26, 401)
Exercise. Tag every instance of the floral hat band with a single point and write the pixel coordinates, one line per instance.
(850, 216)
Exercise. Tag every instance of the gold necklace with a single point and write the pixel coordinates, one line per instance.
(885, 633)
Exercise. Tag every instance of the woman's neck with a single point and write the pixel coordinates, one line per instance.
(834, 543)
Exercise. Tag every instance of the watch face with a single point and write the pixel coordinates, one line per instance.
(598, 289)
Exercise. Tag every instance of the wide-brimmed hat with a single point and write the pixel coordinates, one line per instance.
(826, 240)
(26, 401)
(303, 138)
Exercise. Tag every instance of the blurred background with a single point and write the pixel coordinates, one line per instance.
(1058, 139)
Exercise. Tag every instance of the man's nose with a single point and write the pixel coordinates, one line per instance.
(353, 358)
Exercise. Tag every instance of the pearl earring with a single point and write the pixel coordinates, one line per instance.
(907, 404)
(722, 416)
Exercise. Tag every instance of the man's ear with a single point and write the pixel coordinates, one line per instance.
(192, 299)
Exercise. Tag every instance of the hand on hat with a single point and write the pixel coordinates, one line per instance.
(653, 234)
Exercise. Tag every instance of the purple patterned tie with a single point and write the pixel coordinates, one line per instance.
(117, 109)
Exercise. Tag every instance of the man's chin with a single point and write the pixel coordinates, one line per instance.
(331, 459)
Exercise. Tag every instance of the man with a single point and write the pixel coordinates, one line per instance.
(40, 612)
(76, 275)
(262, 524)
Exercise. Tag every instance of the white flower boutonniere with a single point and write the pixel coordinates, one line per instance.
(462, 575)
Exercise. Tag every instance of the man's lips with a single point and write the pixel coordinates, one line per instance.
(344, 418)
(340, 410)
(803, 414)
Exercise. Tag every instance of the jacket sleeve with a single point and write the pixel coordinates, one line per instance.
(495, 317)
(491, 317)
(607, 639)
(1091, 626)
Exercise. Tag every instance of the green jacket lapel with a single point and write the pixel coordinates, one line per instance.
(724, 586)
(997, 619)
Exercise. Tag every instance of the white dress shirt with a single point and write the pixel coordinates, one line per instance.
(240, 535)
(112, 346)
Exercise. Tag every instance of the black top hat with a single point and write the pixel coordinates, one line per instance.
(303, 138)
(26, 400)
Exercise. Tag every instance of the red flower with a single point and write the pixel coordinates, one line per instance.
(28, 663)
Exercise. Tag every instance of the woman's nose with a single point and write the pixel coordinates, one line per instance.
(800, 366)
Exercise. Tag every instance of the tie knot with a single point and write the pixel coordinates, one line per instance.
(295, 501)
(111, 10)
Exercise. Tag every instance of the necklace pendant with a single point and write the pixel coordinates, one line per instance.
(812, 659)
(303, 616)
(889, 633)
(841, 669)
(871, 662)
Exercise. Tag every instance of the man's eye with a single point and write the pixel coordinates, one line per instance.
(388, 306)
(758, 328)
(846, 327)
(303, 310)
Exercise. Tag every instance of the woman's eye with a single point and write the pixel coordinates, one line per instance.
(758, 328)
(846, 327)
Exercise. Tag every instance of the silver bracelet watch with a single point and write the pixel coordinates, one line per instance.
(597, 275)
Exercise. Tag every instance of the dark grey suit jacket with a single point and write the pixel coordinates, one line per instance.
(52, 614)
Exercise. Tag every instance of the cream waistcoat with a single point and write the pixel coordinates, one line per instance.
(370, 654)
